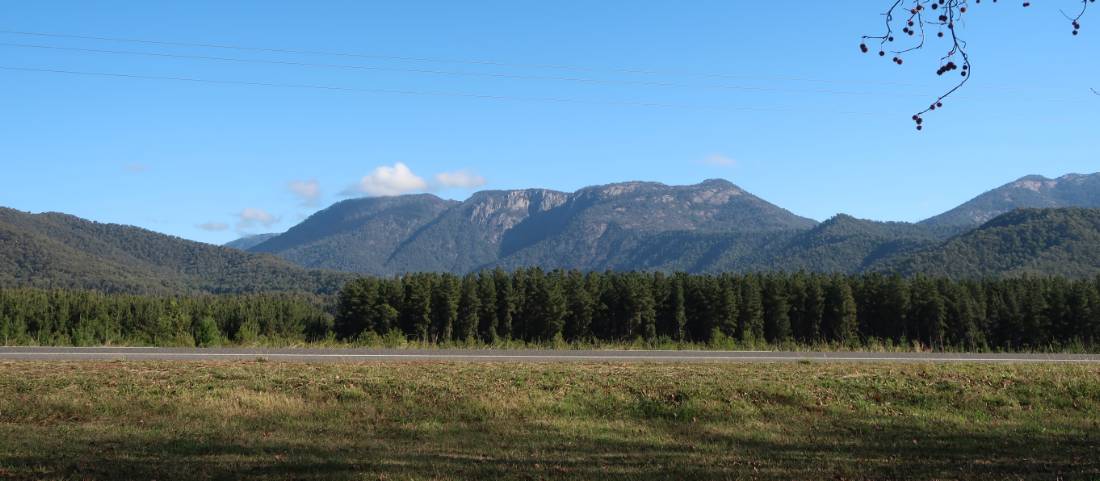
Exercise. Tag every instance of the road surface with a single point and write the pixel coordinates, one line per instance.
(478, 355)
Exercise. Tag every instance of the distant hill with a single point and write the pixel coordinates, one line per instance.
(62, 251)
(710, 227)
(1028, 241)
(593, 228)
(844, 244)
(248, 242)
(357, 235)
(1033, 191)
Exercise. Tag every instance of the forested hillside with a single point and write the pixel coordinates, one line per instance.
(61, 251)
(356, 235)
(1062, 242)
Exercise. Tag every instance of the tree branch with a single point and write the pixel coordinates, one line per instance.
(943, 16)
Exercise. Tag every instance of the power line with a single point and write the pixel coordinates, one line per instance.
(451, 73)
(577, 68)
(563, 67)
(421, 92)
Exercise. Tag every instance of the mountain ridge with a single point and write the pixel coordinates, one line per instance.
(511, 228)
(1030, 191)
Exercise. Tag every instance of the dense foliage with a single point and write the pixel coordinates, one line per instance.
(84, 318)
(533, 306)
(567, 306)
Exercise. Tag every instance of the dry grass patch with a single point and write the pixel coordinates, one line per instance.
(439, 421)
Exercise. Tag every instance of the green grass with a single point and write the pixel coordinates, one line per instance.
(267, 420)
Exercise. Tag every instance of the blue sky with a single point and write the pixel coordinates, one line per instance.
(773, 97)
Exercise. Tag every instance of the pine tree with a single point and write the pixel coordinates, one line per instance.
(350, 314)
(417, 307)
(839, 318)
(751, 325)
(487, 315)
(469, 307)
(928, 315)
(553, 307)
(505, 304)
(678, 309)
(581, 307)
(445, 294)
(777, 324)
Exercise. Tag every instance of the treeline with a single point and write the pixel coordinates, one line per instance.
(568, 306)
(533, 306)
(85, 318)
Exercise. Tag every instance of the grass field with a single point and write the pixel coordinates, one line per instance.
(264, 420)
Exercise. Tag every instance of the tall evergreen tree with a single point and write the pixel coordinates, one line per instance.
(506, 306)
(839, 318)
(445, 293)
(416, 317)
(488, 311)
(581, 307)
(928, 315)
(751, 325)
(777, 323)
(469, 308)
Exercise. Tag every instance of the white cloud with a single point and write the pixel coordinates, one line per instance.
(462, 179)
(719, 160)
(307, 191)
(136, 168)
(251, 218)
(213, 226)
(386, 180)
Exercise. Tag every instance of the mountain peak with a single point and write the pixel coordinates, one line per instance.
(717, 183)
(1032, 191)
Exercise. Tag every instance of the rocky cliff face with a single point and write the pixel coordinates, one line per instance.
(468, 235)
(584, 229)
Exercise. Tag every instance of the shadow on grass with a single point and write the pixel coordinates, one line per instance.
(859, 449)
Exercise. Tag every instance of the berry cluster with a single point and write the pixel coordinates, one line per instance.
(948, 14)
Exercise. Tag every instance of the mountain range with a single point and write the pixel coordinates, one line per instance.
(1034, 225)
(714, 226)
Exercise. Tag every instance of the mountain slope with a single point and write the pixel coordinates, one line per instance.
(248, 242)
(843, 244)
(1034, 191)
(58, 250)
(469, 235)
(357, 235)
(1027, 241)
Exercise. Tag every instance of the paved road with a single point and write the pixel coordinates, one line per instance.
(392, 355)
